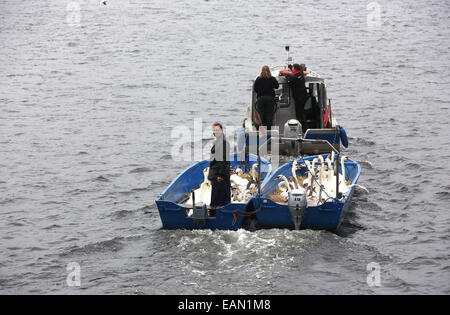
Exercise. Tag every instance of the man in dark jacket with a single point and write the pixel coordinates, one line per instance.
(297, 83)
(219, 169)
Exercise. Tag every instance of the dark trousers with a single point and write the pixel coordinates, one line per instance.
(300, 112)
(220, 192)
(266, 108)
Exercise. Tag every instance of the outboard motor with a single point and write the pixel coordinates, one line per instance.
(297, 206)
(200, 214)
(293, 128)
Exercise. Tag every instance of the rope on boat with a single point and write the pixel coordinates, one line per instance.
(237, 214)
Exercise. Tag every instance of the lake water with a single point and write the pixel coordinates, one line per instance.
(90, 94)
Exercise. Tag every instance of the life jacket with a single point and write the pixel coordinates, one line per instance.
(289, 72)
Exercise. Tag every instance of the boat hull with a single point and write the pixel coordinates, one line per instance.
(174, 216)
(229, 217)
(328, 216)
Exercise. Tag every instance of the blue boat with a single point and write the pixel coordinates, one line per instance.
(326, 216)
(229, 217)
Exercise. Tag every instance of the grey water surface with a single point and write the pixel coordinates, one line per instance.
(89, 96)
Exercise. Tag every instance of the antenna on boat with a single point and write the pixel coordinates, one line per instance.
(288, 58)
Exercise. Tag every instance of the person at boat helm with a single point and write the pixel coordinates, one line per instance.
(219, 170)
(296, 82)
(264, 87)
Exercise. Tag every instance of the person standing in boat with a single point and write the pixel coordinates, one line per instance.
(264, 87)
(296, 82)
(219, 170)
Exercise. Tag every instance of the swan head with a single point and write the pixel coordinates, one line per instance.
(308, 165)
(282, 184)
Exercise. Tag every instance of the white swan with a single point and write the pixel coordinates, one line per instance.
(343, 188)
(202, 194)
(321, 180)
(308, 180)
(205, 195)
(285, 183)
(313, 166)
(197, 197)
(282, 186)
(315, 188)
(328, 179)
(331, 179)
(313, 176)
(244, 195)
(254, 173)
(330, 157)
(294, 173)
(330, 172)
(205, 188)
(329, 161)
(243, 183)
(238, 182)
(205, 175)
(320, 184)
(322, 161)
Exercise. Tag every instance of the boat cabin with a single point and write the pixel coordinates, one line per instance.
(315, 106)
(321, 124)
